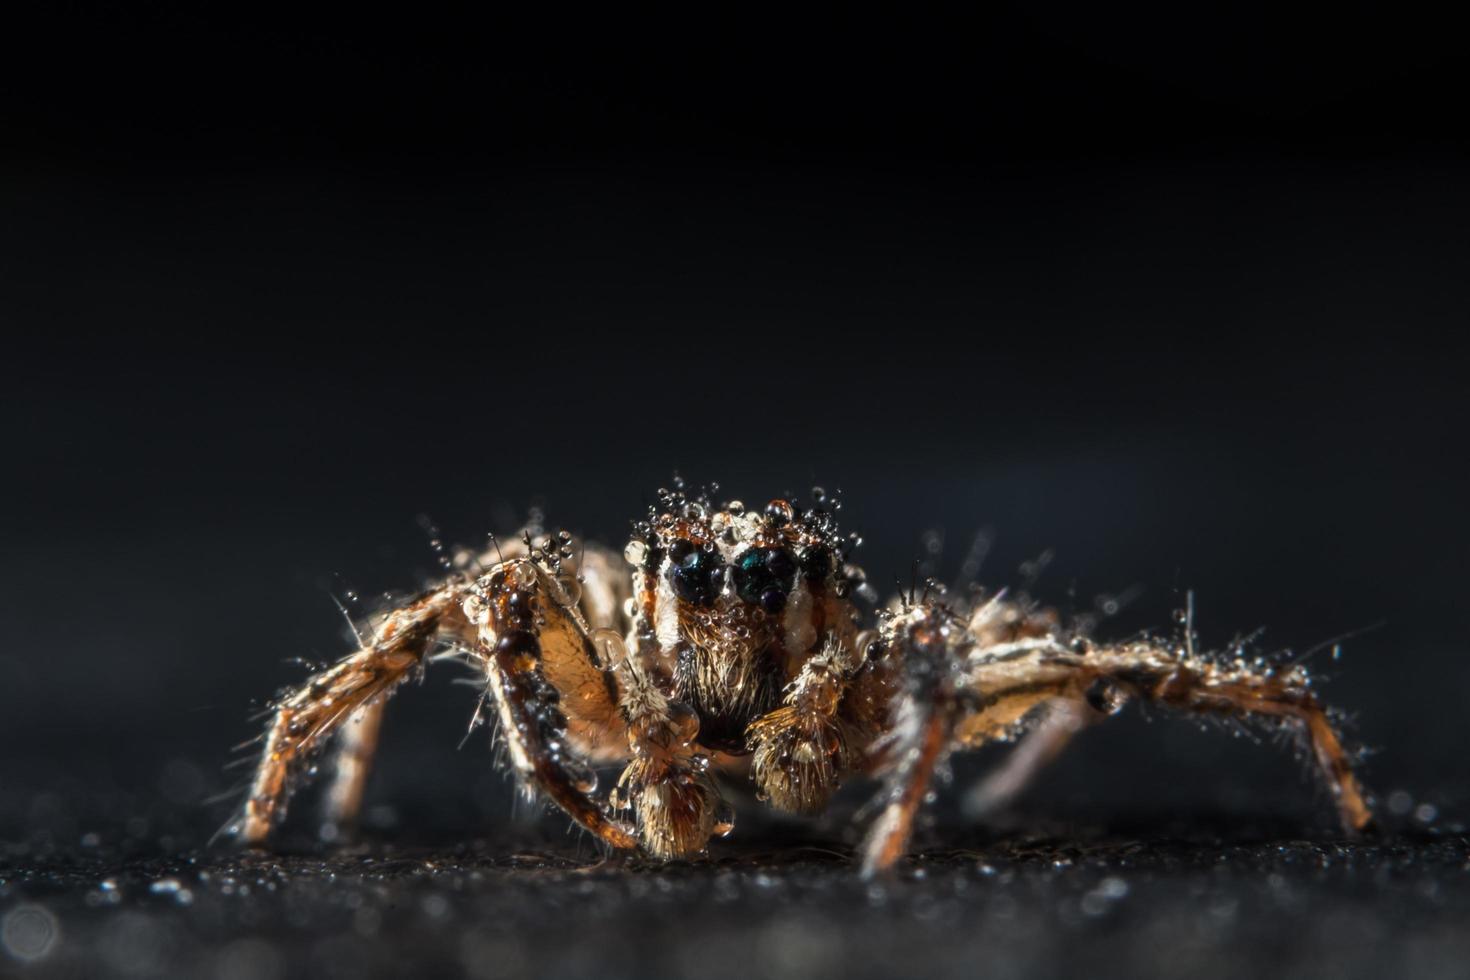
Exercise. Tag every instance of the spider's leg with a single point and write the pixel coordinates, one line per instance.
(921, 741)
(556, 701)
(1061, 723)
(962, 693)
(1104, 677)
(352, 758)
(929, 702)
(306, 719)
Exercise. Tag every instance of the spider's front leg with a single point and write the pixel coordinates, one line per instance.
(967, 686)
(929, 702)
(556, 700)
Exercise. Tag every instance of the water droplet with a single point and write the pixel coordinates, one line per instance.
(173, 887)
(609, 646)
(29, 933)
(724, 819)
(635, 553)
(583, 777)
(1400, 802)
(683, 722)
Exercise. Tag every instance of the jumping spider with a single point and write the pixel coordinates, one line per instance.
(736, 647)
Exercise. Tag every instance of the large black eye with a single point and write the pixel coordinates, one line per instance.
(694, 574)
(816, 564)
(766, 576)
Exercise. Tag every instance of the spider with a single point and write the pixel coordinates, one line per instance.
(736, 647)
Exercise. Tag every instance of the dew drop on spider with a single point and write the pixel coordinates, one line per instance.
(635, 553)
(724, 819)
(683, 722)
(582, 776)
(609, 646)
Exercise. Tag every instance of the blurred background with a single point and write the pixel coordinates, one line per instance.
(1173, 298)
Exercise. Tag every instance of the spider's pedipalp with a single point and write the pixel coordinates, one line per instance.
(803, 748)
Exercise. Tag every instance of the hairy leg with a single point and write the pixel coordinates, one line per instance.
(961, 693)
(555, 698)
(1062, 721)
(305, 720)
(353, 760)
(1106, 676)
(348, 700)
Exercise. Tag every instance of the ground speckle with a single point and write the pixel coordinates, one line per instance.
(1004, 904)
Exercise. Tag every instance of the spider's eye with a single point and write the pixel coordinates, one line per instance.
(694, 574)
(816, 564)
(766, 576)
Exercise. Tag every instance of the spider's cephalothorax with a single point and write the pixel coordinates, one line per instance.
(735, 647)
(732, 602)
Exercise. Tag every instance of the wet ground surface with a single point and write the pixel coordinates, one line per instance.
(1175, 900)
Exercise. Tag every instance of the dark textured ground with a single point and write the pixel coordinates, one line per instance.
(1190, 896)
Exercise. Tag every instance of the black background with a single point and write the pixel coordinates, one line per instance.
(1174, 294)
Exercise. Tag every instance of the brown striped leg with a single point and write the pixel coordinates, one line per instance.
(306, 719)
(1037, 750)
(353, 757)
(960, 693)
(924, 747)
(529, 635)
(1104, 677)
(922, 722)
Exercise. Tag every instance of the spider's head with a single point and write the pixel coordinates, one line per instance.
(728, 573)
(732, 593)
